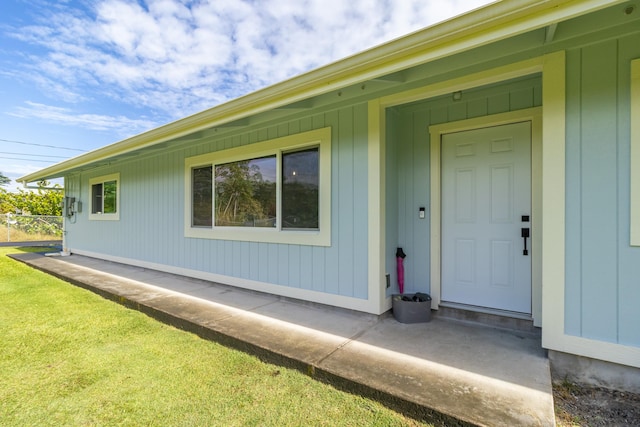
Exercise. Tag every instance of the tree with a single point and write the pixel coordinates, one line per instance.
(39, 202)
(239, 198)
(4, 180)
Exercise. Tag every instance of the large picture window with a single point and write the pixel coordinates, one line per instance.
(105, 197)
(274, 191)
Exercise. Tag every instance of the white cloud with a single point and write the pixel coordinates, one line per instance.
(14, 170)
(176, 57)
(119, 124)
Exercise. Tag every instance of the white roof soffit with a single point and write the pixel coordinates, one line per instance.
(494, 22)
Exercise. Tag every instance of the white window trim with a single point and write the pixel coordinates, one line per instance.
(635, 153)
(105, 216)
(321, 237)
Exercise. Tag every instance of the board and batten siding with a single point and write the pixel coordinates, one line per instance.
(602, 287)
(408, 166)
(151, 225)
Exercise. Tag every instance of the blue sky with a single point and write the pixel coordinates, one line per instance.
(81, 74)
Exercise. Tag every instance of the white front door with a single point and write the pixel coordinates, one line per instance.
(486, 202)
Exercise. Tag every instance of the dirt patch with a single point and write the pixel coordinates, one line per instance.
(578, 405)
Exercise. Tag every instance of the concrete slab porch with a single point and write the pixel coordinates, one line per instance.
(446, 371)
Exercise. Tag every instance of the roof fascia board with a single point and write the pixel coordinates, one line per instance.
(491, 23)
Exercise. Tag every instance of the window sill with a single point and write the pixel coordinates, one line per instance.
(104, 217)
(297, 237)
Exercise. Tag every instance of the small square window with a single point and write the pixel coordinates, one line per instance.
(105, 197)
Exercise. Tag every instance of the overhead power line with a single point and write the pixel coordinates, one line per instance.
(28, 160)
(33, 155)
(42, 145)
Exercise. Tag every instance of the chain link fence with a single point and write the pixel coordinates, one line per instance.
(30, 228)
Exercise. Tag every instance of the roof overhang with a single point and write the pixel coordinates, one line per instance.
(494, 22)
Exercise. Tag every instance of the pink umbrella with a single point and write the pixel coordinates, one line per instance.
(400, 256)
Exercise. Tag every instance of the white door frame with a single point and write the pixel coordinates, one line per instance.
(534, 115)
(378, 298)
(551, 316)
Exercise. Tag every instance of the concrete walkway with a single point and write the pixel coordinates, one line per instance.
(446, 371)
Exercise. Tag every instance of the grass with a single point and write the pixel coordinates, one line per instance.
(69, 357)
(563, 393)
(16, 235)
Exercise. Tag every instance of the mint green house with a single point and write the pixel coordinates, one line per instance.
(499, 149)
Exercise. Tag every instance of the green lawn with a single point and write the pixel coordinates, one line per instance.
(69, 357)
